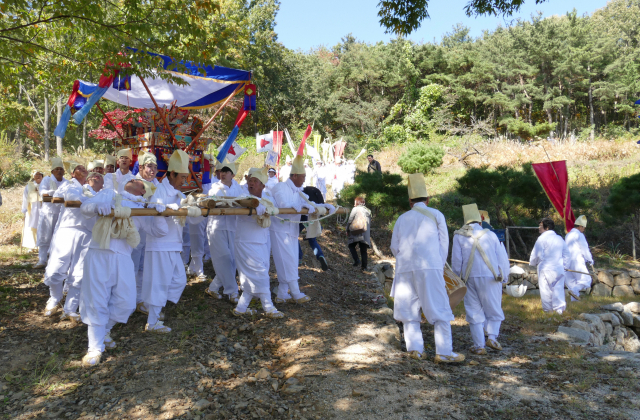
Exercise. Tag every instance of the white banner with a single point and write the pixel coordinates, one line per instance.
(264, 142)
(235, 151)
(271, 159)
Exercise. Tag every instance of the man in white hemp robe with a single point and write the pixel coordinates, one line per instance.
(49, 213)
(148, 168)
(272, 181)
(482, 262)
(108, 283)
(117, 180)
(551, 255)
(164, 277)
(420, 243)
(284, 234)
(252, 247)
(31, 205)
(221, 232)
(70, 244)
(580, 256)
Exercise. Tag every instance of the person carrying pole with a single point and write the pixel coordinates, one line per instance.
(50, 212)
(580, 256)
(482, 263)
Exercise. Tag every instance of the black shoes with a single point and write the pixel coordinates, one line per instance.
(357, 263)
(323, 263)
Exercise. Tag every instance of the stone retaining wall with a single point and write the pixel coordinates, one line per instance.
(607, 282)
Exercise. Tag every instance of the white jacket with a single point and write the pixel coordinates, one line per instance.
(550, 253)
(72, 217)
(172, 241)
(249, 231)
(578, 250)
(119, 179)
(48, 186)
(495, 252)
(156, 225)
(220, 190)
(286, 195)
(417, 243)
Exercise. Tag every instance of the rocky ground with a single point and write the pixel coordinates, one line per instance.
(336, 357)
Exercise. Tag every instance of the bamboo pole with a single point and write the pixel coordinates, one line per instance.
(216, 212)
(211, 204)
(566, 269)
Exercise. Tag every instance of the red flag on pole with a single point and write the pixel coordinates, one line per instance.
(304, 140)
(554, 179)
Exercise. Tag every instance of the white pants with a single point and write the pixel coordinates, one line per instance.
(285, 257)
(186, 246)
(67, 262)
(197, 235)
(245, 300)
(483, 303)
(577, 282)
(221, 244)
(253, 266)
(137, 256)
(426, 290)
(46, 224)
(163, 278)
(108, 288)
(551, 286)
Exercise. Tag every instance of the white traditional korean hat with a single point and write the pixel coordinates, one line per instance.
(259, 173)
(298, 166)
(56, 162)
(471, 214)
(145, 158)
(125, 153)
(417, 187)
(179, 162)
(226, 164)
(109, 160)
(581, 221)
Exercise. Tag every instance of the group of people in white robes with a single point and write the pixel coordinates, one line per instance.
(420, 243)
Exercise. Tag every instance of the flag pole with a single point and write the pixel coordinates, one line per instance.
(551, 163)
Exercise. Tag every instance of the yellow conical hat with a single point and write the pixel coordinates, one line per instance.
(471, 214)
(179, 162)
(260, 173)
(56, 162)
(145, 158)
(417, 187)
(149, 189)
(231, 165)
(298, 166)
(485, 216)
(125, 153)
(581, 221)
(109, 160)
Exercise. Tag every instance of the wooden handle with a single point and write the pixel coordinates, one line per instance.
(566, 269)
(247, 202)
(58, 200)
(46, 198)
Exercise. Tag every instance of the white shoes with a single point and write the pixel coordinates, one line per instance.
(91, 359)
(213, 293)
(109, 343)
(275, 314)
(52, 307)
(248, 312)
(158, 327)
(234, 298)
(73, 317)
(40, 264)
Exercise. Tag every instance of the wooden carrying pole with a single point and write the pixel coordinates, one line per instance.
(216, 212)
(566, 269)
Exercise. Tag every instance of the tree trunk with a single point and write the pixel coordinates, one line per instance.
(84, 134)
(46, 128)
(591, 120)
(18, 139)
(59, 139)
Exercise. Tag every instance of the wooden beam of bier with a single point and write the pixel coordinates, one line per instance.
(215, 212)
(211, 204)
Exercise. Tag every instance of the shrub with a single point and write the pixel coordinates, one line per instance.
(421, 158)
(527, 131)
(385, 193)
(624, 201)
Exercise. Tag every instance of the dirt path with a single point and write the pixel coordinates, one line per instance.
(335, 358)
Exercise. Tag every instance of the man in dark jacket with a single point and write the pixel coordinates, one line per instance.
(374, 165)
(316, 196)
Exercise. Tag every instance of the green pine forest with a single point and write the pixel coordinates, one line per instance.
(564, 76)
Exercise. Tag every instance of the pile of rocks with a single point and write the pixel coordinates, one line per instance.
(615, 330)
(605, 283)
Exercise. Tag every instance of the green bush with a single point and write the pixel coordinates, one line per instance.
(527, 131)
(421, 158)
(624, 201)
(385, 194)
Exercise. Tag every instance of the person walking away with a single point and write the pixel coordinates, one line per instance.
(49, 212)
(359, 232)
(420, 243)
(374, 165)
(580, 256)
(482, 263)
(551, 255)
(31, 205)
(314, 229)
